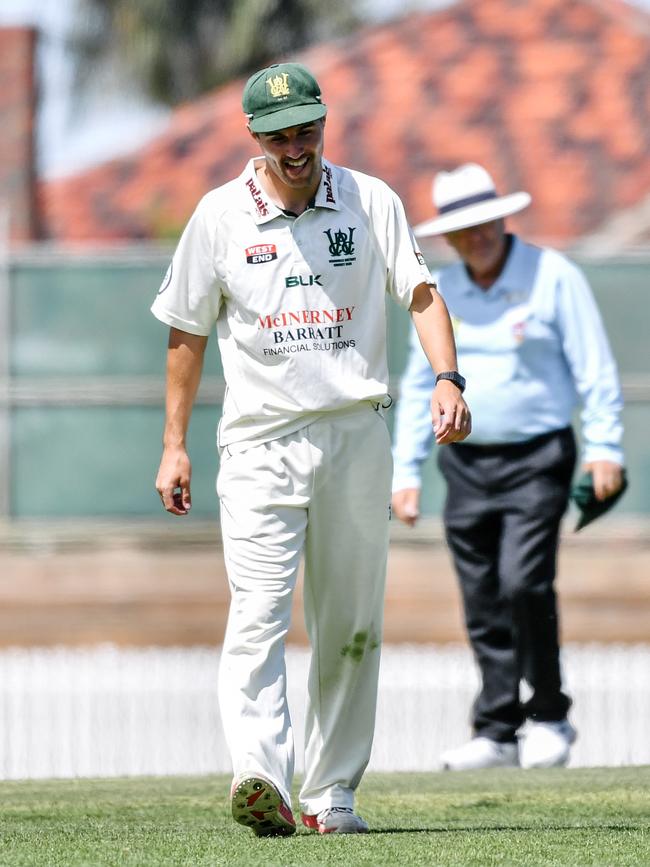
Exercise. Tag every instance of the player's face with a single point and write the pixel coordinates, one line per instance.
(294, 155)
(482, 248)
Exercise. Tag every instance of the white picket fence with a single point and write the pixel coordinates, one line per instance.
(106, 711)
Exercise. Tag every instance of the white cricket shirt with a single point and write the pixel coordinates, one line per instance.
(298, 302)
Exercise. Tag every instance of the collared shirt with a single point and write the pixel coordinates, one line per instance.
(531, 347)
(298, 302)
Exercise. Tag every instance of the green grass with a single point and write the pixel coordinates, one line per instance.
(595, 816)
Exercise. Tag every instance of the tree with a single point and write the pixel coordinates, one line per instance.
(178, 49)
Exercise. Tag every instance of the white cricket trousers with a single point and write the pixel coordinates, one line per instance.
(325, 491)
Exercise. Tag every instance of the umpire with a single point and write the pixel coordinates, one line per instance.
(531, 343)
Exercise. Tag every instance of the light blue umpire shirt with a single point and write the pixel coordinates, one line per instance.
(531, 347)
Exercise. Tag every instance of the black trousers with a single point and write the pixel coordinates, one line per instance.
(502, 518)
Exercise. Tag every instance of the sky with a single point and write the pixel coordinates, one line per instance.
(70, 136)
(116, 118)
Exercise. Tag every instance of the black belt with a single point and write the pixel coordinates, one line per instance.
(500, 448)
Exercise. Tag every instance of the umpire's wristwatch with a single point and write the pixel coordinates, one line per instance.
(452, 376)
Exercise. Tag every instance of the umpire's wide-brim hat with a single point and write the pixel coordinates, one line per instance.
(467, 197)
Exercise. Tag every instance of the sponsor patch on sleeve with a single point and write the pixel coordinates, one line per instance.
(261, 253)
(419, 257)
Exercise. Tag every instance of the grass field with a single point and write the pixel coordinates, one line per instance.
(595, 816)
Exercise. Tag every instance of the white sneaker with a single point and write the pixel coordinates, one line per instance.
(335, 820)
(480, 753)
(546, 744)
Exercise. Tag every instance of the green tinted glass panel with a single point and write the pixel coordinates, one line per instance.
(89, 319)
(622, 290)
(102, 461)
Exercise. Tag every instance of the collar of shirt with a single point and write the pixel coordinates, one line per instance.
(513, 280)
(263, 209)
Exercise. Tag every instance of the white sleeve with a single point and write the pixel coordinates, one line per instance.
(405, 263)
(190, 295)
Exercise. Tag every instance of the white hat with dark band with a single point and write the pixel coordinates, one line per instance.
(467, 197)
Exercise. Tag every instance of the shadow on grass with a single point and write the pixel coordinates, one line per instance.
(496, 828)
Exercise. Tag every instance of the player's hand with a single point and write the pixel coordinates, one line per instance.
(406, 505)
(607, 476)
(173, 481)
(450, 415)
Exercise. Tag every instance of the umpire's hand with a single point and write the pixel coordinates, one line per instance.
(406, 505)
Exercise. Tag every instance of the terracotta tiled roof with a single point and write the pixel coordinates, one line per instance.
(552, 96)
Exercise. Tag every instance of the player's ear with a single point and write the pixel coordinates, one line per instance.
(253, 134)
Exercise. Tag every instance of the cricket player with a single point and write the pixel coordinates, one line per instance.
(532, 344)
(292, 262)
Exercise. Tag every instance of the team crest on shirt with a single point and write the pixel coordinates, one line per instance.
(341, 246)
(519, 331)
(260, 253)
(167, 279)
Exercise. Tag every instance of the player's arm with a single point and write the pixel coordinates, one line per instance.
(184, 365)
(450, 414)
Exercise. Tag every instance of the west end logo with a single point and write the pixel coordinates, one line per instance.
(341, 246)
(279, 85)
(260, 253)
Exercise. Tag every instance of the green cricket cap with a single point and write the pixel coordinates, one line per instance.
(282, 95)
(584, 496)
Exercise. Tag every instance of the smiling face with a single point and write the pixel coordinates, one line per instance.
(294, 159)
(482, 248)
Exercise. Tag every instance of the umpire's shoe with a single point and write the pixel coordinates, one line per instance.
(257, 803)
(546, 744)
(480, 753)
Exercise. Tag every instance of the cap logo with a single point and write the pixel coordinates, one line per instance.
(279, 85)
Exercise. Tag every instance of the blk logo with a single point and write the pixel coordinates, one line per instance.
(311, 280)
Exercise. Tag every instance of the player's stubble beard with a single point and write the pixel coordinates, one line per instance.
(277, 177)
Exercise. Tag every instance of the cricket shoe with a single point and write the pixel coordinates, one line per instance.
(258, 804)
(335, 820)
(480, 753)
(546, 744)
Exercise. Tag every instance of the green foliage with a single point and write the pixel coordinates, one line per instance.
(178, 49)
(596, 816)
